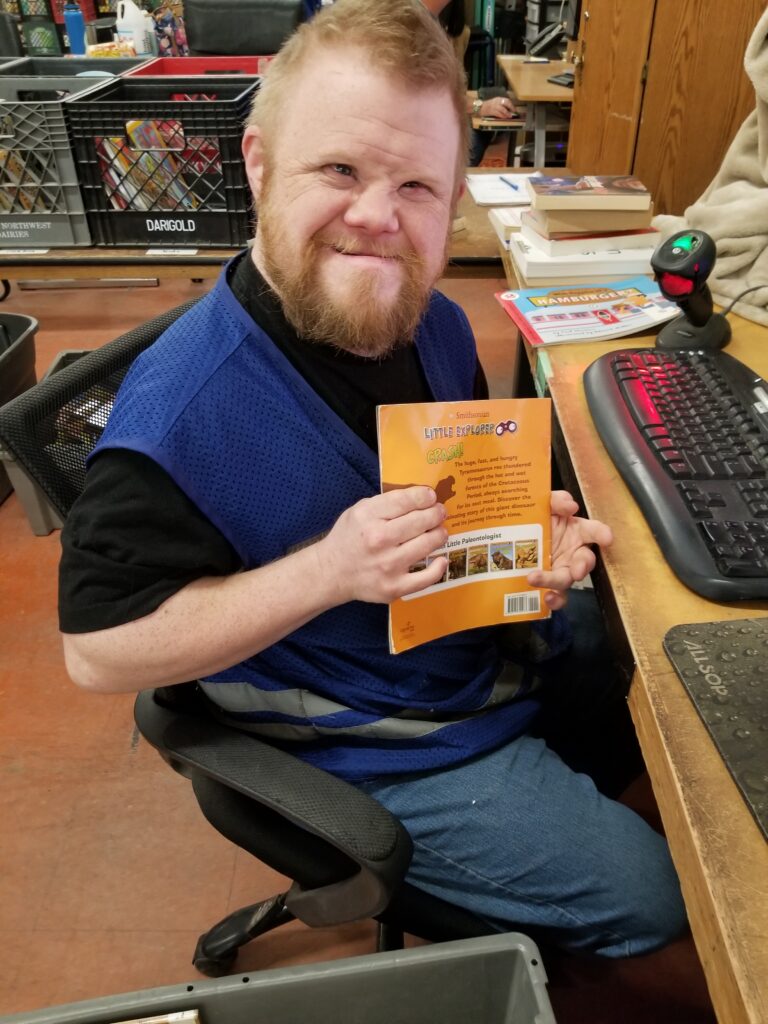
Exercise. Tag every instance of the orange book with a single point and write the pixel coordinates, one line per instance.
(489, 463)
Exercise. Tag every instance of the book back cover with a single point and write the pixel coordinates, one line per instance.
(489, 463)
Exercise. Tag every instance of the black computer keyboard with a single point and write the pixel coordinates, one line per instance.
(566, 79)
(688, 431)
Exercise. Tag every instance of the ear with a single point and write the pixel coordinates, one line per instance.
(253, 155)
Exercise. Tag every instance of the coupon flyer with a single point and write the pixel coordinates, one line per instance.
(489, 463)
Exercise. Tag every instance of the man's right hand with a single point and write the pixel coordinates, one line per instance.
(218, 621)
(372, 546)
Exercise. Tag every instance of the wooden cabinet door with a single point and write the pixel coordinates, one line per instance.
(614, 37)
(697, 95)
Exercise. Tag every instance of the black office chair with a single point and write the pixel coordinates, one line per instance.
(239, 27)
(346, 854)
(481, 43)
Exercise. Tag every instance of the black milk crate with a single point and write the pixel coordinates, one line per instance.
(161, 164)
(40, 201)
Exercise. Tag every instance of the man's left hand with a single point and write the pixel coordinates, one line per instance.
(572, 555)
(500, 107)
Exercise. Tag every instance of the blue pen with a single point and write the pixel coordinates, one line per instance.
(510, 183)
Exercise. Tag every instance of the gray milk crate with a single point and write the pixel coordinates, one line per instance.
(69, 67)
(497, 979)
(40, 200)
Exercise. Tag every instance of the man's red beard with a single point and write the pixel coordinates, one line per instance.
(361, 325)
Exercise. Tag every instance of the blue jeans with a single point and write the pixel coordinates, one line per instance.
(526, 841)
(478, 143)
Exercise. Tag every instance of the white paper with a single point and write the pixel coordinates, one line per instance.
(24, 252)
(510, 216)
(499, 189)
(172, 252)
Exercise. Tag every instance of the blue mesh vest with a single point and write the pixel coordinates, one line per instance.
(218, 406)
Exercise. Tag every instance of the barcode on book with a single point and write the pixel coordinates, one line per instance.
(522, 604)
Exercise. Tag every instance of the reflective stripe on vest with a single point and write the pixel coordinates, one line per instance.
(240, 700)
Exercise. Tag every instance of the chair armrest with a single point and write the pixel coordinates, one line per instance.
(313, 800)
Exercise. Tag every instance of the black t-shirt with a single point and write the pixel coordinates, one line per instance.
(133, 538)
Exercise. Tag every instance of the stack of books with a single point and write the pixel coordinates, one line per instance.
(583, 230)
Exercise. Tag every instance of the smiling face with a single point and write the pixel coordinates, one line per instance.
(355, 194)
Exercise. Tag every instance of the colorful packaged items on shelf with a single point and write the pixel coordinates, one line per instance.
(171, 36)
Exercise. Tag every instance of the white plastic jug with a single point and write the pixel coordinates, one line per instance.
(149, 28)
(130, 27)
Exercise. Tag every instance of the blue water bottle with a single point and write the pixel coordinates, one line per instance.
(74, 26)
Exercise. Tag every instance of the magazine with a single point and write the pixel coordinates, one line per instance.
(172, 1017)
(489, 463)
(588, 192)
(597, 312)
(162, 167)
(135, 180)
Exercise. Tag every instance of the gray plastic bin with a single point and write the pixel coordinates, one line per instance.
(497, 979)
(17, 369)
(69, 67)
(42, 516)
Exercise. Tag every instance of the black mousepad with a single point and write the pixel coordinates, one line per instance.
(724, 668)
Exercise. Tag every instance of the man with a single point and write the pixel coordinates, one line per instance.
(488, 101)
(231, 529)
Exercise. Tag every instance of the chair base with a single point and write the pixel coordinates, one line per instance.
(389, 938)
(217, 949)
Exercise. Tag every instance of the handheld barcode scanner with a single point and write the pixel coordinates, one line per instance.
(682, 265)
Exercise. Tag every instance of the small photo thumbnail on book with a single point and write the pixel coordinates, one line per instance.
(457, 564)
(502, 557)
(526, 554)
(477, 559)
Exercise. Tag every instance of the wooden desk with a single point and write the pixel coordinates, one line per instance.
(513, 125)
(720, 853)
(472, 252)
(529, 84)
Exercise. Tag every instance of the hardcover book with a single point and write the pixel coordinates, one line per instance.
(588, 192)
(489, 463)
(596, 312)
